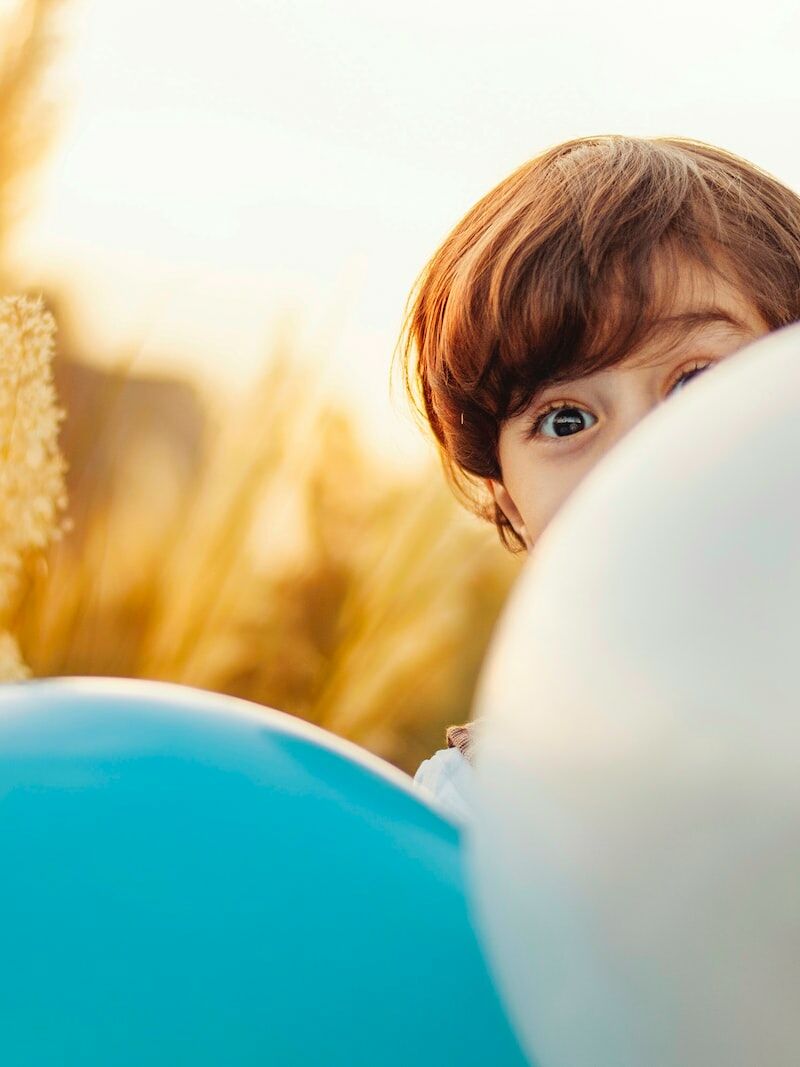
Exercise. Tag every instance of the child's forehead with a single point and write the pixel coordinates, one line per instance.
(684, 299)
(695, 311)
(679, 283)
(672, 332)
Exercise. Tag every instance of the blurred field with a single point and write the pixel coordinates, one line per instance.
(260, 552)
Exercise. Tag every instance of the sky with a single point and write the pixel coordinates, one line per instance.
(223, 164)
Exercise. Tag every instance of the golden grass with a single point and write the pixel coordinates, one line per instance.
(26, 120)
(32, 492)
(279, 564)
(288, 570)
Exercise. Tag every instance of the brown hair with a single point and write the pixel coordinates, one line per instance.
(552, 275)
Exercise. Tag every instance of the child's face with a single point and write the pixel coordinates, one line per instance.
(541, 468)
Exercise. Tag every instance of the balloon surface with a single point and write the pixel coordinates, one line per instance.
(636, 850)
(191, 879)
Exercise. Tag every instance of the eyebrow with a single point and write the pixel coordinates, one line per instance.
(696, 320)
(700, 317)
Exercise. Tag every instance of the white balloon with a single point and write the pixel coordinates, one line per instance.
(636, 852)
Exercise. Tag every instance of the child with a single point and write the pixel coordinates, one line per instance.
(592, 283)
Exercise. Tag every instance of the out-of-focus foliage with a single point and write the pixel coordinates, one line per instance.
(26, 119)
(261, 552)
(31, 466)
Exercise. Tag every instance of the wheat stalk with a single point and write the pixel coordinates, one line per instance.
(32, 487)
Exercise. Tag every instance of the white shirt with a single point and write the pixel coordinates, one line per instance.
(447, 779)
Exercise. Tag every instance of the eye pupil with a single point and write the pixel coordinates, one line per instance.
(570, 420)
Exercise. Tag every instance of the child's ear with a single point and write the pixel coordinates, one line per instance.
(503, 499)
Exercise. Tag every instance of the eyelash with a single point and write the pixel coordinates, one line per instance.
(558, 405)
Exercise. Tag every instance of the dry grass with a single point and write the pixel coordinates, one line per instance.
(285, 569)
(258, 552)
(27, 121)
(32, 493)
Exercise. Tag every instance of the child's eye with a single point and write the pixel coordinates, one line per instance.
(564, 419)
(696, 369)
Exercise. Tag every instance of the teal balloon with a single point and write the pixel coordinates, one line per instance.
(193, 879)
